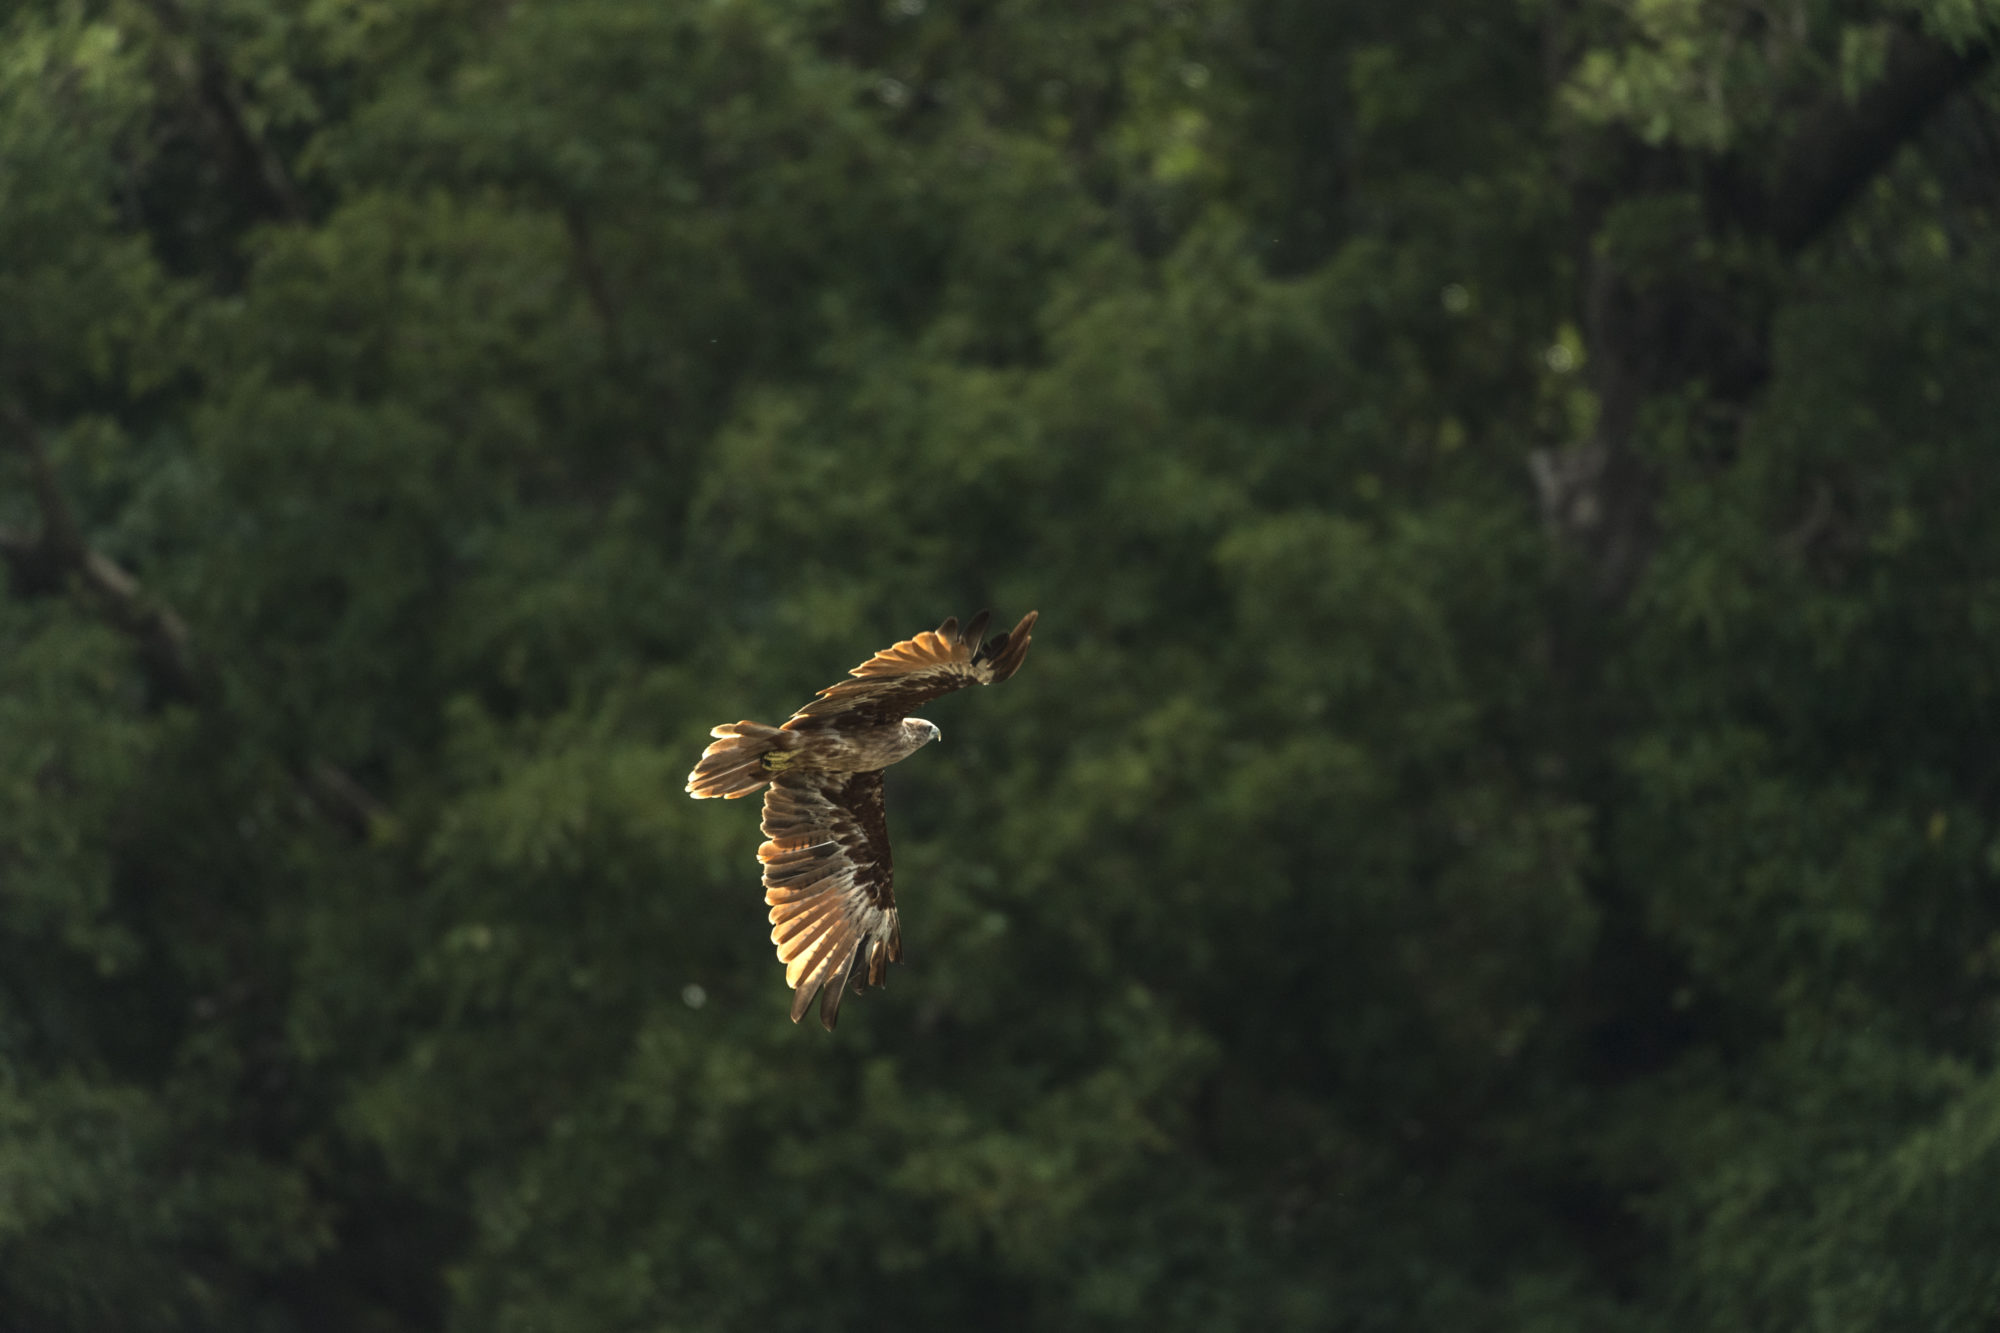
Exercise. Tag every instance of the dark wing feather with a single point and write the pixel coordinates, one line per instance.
(827, 875)
(899, 679)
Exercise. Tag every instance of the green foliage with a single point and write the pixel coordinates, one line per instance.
(80, 290)
(1345, 920)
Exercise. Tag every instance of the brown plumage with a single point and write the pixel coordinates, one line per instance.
(827, 869)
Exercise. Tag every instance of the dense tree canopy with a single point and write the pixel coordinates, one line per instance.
(1499, 830)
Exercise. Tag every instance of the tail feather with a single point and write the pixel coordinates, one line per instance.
(733, 765)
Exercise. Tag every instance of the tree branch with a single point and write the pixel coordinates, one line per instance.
(583, 248)
(57, 558)
(339, 798)
(217, 93)
(59, 555)
(1648, 337)
(1844, 144)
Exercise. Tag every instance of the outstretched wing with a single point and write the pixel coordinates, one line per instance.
(897, 680)
(826, 876)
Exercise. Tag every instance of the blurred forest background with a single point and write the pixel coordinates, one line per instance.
(1499, 830)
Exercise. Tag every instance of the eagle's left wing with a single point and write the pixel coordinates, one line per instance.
(901, 678)
(827, 876)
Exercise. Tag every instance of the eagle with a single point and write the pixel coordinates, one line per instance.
(827, 870)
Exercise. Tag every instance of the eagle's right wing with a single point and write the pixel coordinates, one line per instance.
(827, 874)
(903, 677)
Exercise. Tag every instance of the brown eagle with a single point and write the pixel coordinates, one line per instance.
(826, 849)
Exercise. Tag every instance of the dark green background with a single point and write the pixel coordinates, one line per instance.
(1499, 830)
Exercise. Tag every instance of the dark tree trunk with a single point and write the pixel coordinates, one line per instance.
(1653, 329)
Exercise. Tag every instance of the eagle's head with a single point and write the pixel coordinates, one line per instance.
(921, 732)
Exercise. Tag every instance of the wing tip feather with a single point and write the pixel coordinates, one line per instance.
(1006, 652)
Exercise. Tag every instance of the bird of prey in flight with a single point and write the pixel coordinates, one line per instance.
(826, 838)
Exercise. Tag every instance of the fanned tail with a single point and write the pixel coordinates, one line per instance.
(734, 764)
